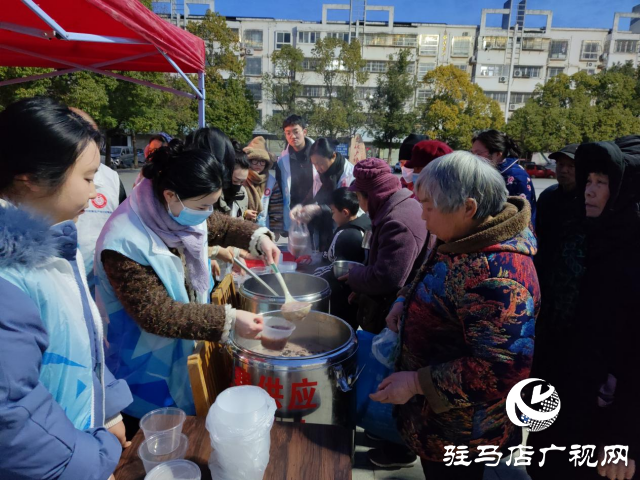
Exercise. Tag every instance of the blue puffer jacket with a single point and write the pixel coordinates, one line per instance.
(55, 393)
(519, 183)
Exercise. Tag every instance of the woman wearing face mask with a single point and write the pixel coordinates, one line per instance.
(587, 331)
(404, 155)
(423, 153)
(154, 280)
(57, 399)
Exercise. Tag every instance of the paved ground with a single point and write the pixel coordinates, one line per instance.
(362, 469)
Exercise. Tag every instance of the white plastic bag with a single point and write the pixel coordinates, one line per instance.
(299, 241)
(239, 424)
(384, 347)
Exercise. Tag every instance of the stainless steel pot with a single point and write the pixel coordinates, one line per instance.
(314, 388)
(304, 288)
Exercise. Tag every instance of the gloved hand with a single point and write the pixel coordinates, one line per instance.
(305, 213)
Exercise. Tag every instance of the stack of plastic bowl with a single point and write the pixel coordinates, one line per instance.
(175, 470)
(164, 440)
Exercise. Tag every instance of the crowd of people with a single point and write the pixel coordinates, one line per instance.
(102, 295)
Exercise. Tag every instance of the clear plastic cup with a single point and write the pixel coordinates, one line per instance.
(241, 407)
(168, 420)
(276, 332)
(161, 448)
(175, 470)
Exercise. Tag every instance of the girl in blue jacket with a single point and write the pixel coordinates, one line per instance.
(59, 405)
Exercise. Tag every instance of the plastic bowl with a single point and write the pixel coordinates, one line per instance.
(175, 470)
(276, 332)
(168, 419)
(342, 267)
(161, 448)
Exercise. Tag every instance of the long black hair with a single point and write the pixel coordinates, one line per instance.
(498, 142)
(41, 138)
(325, 147)
(190, 173)
(218, 144)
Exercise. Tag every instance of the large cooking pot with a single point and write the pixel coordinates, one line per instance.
(312, 378)
(304, 288)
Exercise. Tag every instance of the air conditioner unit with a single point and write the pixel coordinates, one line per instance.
(513, 106)
(502, 79)
(590, 64)
(248, 51)
(517, 73)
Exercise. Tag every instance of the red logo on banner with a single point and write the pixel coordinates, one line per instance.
(100, 201)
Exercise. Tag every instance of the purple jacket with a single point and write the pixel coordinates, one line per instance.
(399, 234)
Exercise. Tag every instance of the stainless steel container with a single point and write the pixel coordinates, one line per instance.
(304, 288)
(314, 388)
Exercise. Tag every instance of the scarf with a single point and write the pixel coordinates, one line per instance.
(255, 186)
(187, 239)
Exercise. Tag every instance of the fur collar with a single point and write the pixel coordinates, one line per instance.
(513, 219)
(25, 239)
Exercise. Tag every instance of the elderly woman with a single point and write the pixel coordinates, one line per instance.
(587, 334)
(467, 333)
(396, 246)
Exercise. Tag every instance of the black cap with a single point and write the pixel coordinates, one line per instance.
(407, 146)
(569, 151)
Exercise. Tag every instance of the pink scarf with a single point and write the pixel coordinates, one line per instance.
(155, 216)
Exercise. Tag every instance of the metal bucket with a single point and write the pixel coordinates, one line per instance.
(304, 288)
(314, 388)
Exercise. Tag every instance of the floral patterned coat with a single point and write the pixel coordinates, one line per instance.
(468, 331)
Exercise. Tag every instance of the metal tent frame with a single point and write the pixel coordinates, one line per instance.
(57, 33)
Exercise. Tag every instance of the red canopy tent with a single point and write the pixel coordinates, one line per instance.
(98, 36)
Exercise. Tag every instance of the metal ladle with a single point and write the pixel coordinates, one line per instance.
(256, 277)
(292, 309)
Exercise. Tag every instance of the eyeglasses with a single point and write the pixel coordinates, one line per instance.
(262, 163)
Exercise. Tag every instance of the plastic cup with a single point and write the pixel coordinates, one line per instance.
(175, 470)
(241, 407)
(161, 448)
(169, 420)
(276, 332)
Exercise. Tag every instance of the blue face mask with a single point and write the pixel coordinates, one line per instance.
(190, 217)
(415, 177)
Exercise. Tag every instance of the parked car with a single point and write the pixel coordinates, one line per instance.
(539, 171)
(397, 168)
(126, 160)
(115, 163)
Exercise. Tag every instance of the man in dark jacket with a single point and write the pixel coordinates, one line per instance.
(556, 205)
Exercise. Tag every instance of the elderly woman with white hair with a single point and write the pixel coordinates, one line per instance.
(467, 321)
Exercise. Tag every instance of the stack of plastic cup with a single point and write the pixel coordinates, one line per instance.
(164, 420)
(158, 449)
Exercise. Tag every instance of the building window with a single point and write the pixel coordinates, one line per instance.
(259, 119)
(590, 71)
(365, 93)
(422, 95)
(461, 47)
(404, 40)
(256, 90)
(236, 34)
(558, 49)
(309, 64)
(462, 67)
(626, 46)
(381, 40)
(494, 70)
(344, 36)
(554, 71)
(520, 97)
(282, 38)
(520, 71)
(532, 43)
(500, 97)
(308, 37)
(253, 39)
(374, 66)
(313, 91)
(494, 43)
(253, 66)
(429, 45)
(590, 50)
(424, 68)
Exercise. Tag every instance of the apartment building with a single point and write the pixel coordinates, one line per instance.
(507, 60)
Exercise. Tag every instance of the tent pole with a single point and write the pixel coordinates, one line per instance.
(201, 105)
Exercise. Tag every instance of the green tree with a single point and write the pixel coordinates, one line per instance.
(457, 108)
(391, 115)
(283, 86)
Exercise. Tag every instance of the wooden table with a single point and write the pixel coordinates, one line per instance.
(298, 451)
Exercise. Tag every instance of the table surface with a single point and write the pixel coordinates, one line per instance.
(298, 451)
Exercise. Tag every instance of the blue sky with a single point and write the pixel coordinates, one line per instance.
(566, 13)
